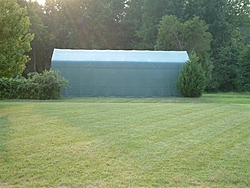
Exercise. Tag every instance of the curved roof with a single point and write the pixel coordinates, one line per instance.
(66, 55)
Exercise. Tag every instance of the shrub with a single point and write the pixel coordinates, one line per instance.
(12, 88)
(49, 84)
(192, 79)
(46, 85)
(4, 88)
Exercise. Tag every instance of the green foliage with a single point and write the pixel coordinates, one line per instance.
(92, 24)
(225, 69)
(151, 13)
(14, 38)
(46, 85)
(243, 73)
(214, 13)
(135, 24)
(17, 88)
(191, 36)
(50, 84)
(171, 34)
(229, 25)
(39, 55)
(192, 79)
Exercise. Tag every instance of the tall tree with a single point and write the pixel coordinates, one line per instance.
(177, 8)
(239, 17)
(131, 23)
(92, 24)
(14, 38)
(103, 24)
(39, 55)
(243, 73)
(191, 36)
(228, 20)
(214, 13)
(152, 12)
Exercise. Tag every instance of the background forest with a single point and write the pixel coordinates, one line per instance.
(218, 31)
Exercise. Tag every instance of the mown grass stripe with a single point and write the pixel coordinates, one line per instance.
(103, 142)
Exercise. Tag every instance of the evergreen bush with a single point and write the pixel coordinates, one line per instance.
(192, 79)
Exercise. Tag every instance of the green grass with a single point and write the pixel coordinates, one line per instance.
(126, 142)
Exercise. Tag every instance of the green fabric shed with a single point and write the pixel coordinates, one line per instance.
(123, 73)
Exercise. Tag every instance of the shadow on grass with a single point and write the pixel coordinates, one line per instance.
(4, 136)
(225, 98)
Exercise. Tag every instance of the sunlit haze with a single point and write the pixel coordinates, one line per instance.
(42, 2)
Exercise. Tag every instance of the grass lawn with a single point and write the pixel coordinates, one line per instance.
(126, 142)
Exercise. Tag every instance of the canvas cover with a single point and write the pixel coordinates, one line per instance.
(123, 73)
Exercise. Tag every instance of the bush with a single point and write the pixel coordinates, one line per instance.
(14, 88)
(192, 79)
(49, 83)
(46, 85)
(4, 87)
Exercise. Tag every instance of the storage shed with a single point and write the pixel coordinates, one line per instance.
(123, 73)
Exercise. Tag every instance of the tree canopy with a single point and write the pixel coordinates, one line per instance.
(190, 36)
(145, 25)
(14, 38)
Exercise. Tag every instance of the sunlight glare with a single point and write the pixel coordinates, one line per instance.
(41, 2)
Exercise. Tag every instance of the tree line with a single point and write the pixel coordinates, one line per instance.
(218, 31)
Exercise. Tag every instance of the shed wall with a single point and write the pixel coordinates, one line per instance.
(119, 78)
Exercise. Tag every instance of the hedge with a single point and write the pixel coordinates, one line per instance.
(42, 86)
